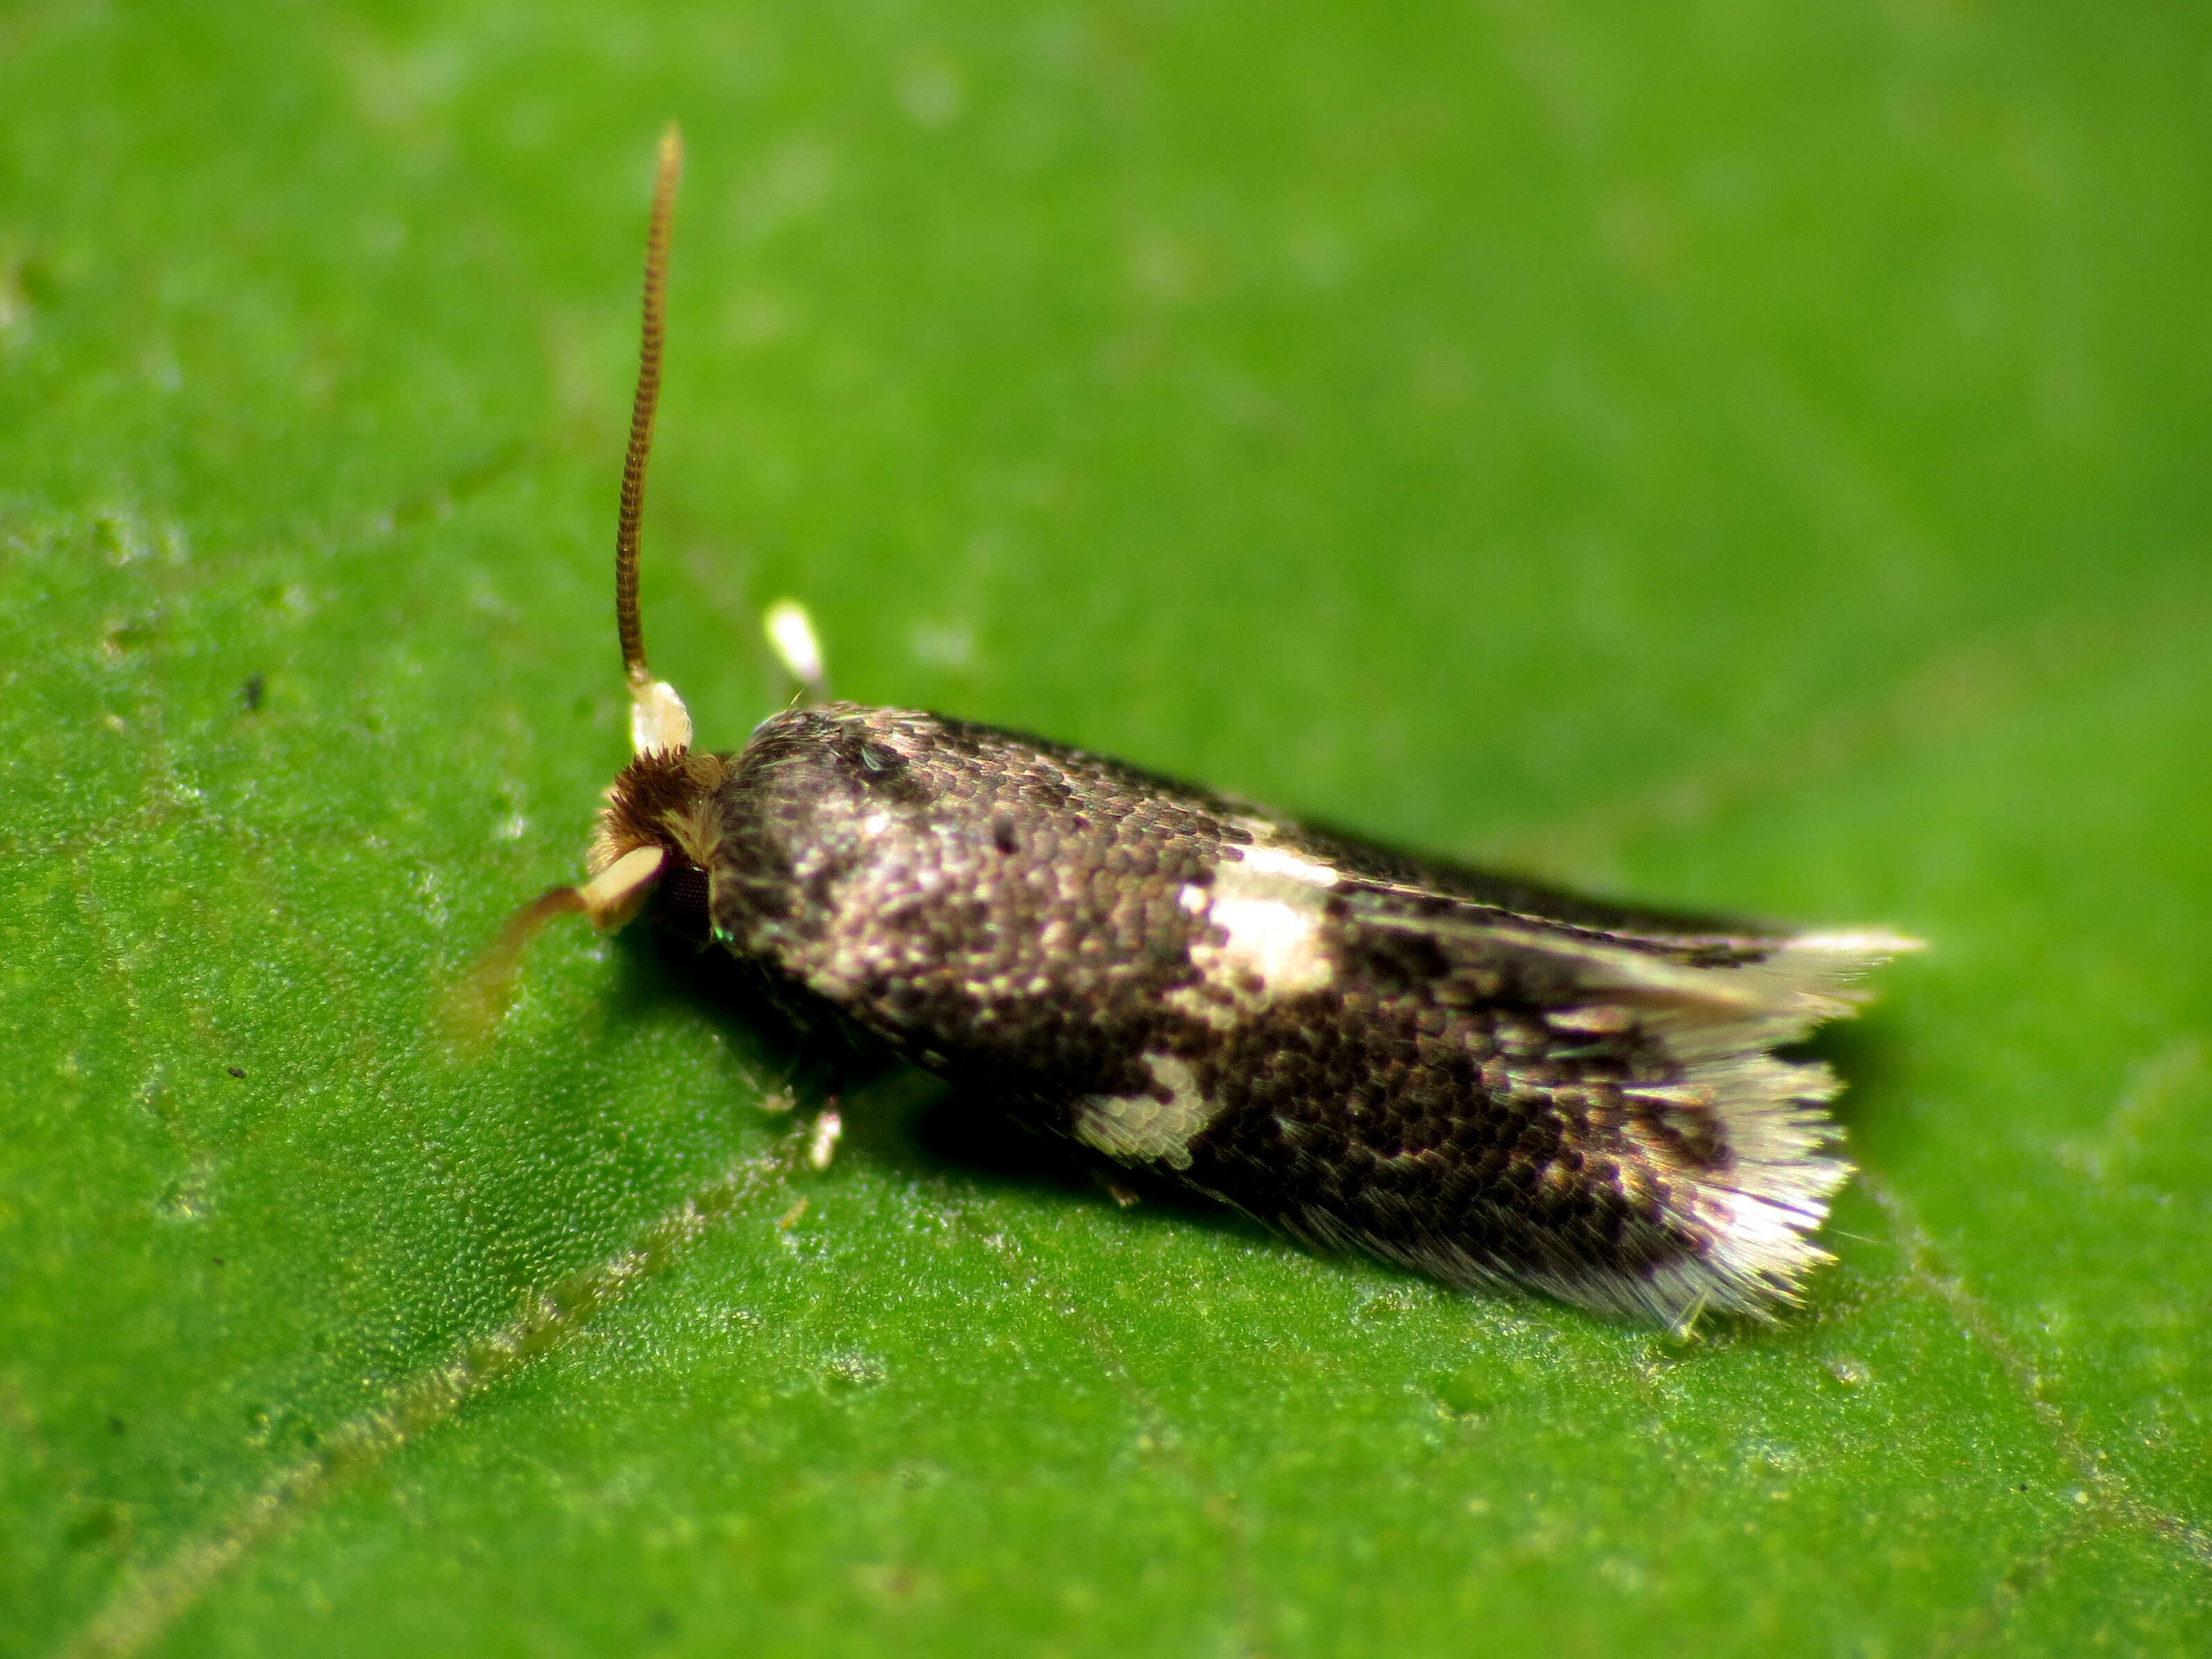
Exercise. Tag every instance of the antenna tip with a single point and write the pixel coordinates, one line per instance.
(791, 635)
(671, 147)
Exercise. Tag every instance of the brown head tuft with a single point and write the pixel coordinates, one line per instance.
(662, 798)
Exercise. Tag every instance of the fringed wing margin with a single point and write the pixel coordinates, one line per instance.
(1655, 1058)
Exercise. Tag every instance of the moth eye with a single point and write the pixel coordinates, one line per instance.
(684, 895)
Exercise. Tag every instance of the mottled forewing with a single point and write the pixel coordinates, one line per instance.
(1677, 1162)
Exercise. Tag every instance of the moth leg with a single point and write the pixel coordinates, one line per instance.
(1110, 1182)
(822, 1143)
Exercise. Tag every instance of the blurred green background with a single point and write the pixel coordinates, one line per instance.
(1740, 455)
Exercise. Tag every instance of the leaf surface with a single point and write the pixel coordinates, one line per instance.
(1744, 457)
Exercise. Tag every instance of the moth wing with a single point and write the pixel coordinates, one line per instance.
(1708, 993)
(1739, 983)
(1682, 1025)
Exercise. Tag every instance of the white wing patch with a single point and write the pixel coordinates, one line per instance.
(1262, 937)
(1261, 860)
(1140, 1127)
(1274, 941)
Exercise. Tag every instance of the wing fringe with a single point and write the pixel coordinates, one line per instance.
(1754, 1213)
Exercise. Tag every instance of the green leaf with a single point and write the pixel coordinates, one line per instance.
(1742, 456)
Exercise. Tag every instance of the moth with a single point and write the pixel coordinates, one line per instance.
(1482, 1079)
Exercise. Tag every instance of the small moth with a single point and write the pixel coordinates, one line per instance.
(1482, 1079)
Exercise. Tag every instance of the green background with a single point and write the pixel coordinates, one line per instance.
(1736, 454)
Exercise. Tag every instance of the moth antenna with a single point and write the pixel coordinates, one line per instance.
(659, 720)
(791, 635)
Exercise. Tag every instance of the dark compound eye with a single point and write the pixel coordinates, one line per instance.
(683, 899)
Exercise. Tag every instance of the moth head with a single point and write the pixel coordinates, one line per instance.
(658, 822)
(633, 847)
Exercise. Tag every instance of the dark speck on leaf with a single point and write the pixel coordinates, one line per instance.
(249, 695)
(235, 1071)
(116, 1425)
